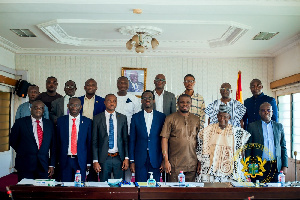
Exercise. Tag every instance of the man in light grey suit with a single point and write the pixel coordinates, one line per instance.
(59, 106)
(269, 136)
(110, 141)
(165, 101)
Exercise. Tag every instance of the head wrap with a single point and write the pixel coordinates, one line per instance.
(224, 109)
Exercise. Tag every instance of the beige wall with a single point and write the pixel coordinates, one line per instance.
(209, 73)
(287, 63)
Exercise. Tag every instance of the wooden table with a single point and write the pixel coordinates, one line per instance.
(40, 192)
(210, 191)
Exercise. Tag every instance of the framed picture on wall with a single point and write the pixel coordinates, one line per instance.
(137, 79)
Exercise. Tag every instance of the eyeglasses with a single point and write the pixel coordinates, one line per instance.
(74, 105)
(147, 98)
(162, 80)
(70, 87)
(265, 110)
(227, 89)
(189, 81)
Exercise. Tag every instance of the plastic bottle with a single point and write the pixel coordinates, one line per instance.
(151, 181)
(281, 178)
(181, 179)
(161, 179)
(132, 177)
(77, 181)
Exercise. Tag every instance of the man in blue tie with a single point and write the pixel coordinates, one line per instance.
(110, 141)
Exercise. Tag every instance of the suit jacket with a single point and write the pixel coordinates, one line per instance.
(84, 149)
(255, 129)
(57, 109)
(169, 103)
(140, 141)
(23, 141)
(99, 106)
(100, 137)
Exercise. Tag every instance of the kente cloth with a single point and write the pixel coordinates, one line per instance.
(219, 152)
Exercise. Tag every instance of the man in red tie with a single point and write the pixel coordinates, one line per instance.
(32, 137)
(74, 142)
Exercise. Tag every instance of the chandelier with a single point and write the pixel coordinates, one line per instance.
(142, 37)
(141, 41)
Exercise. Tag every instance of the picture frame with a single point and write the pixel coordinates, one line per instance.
(137, 79)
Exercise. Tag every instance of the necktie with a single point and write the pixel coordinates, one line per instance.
(111, 132)
(74, 138)
(39, 133)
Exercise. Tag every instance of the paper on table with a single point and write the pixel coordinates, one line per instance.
(96, 184)
(26, 181)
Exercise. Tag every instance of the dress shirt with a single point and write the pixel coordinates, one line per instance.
(148, 120)
(34, 125)
(77, 122)
(88, 107)
(66, 102)
(269, 152)
(252, 104)
(107, 116)
(159, 101)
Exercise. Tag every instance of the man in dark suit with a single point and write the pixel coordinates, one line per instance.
(74, 136)
(110, 141)
(165, 101)
(134, 84)
(269, 136)
(32, 137)
(59, 106)
(91, 103)
(145, 142)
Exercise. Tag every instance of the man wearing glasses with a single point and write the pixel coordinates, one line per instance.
(237, 110)
(74, 147)
(252, 104)
(198, 105)
(59, 106)
(145, 142)
(165, 101)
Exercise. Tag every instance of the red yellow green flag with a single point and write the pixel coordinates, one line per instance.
(239, 94)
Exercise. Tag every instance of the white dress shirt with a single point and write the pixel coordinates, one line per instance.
(148, 120)
(34, 125)
(77, 122)
(159, 101)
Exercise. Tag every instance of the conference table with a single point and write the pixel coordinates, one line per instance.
(209, 191)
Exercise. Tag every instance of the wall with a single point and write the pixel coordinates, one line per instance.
(287, 63)
(209, 73)
(7, 63)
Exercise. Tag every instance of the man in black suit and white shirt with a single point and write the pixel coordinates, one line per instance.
(32, 137)
(110, 141)
(165, 101)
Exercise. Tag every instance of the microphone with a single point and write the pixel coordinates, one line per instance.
(295, 154)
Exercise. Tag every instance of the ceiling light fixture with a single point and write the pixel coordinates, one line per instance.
(264, 35)
(142, 37)
(23, 32)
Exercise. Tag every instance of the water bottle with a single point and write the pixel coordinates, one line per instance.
(77, 181)
(281, 178)
(181, 179)
(132, 177)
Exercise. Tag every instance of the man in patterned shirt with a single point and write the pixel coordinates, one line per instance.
(198, 105)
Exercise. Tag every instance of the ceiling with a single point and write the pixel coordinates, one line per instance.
(189, 27)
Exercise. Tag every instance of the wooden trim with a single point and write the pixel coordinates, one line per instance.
(8, 81)
(285, 81)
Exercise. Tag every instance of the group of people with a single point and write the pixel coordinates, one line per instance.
(122, 134)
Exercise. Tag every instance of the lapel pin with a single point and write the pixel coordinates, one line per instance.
(96, 101)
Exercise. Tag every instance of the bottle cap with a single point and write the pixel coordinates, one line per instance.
(281, 171)
(181, 172)
(151, 175)
(78, 171)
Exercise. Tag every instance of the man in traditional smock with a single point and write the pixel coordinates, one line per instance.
(179, 138)
(219, 150)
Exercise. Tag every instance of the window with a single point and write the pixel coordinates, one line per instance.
(289, 117)
(4, 120)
